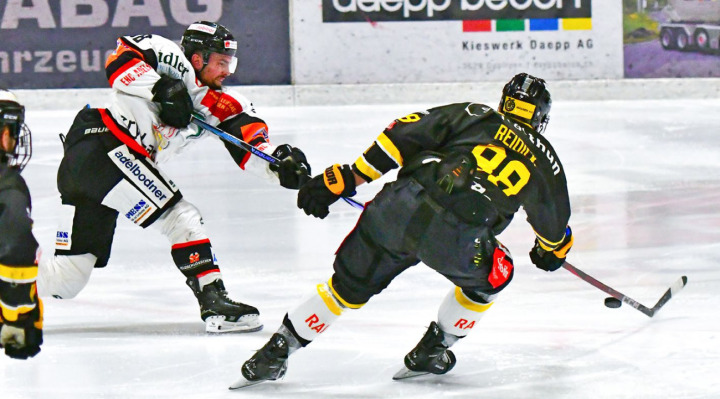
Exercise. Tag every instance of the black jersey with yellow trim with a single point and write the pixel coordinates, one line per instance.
(516, 165)
(18, 246)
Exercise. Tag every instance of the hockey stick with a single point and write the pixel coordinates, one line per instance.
(650, 312)
(247, 147)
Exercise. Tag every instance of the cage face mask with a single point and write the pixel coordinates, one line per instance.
(12, 118)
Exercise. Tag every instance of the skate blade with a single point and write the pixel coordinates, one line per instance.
(407, 373)
(243, 383)
(246, 324)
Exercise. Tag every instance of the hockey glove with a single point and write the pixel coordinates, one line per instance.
(316, 196)
(293, 169)
(22, 338)
(552, 260)
(176, 107)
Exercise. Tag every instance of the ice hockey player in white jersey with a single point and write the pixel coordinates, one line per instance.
(111, 156)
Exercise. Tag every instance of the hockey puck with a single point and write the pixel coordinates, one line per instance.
(612, 302)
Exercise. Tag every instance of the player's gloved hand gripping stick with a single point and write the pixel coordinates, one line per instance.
(245, 146)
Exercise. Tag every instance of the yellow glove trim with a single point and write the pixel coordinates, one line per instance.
(333, 179)
(562, 251)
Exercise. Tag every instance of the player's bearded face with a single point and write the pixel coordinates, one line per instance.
(216, 70)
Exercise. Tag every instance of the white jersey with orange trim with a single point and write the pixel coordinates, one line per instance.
(133, 69)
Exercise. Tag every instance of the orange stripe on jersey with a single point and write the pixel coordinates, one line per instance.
(121, 49)
(221, 105)
(123, 69)
(120, 134)
(252, 130)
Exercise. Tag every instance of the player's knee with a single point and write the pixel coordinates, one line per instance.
(64, 276)
(182, 223)
(353, 296)
(479, 296)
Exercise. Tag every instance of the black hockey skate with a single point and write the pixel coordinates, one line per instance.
(222, 314)
(431, 355)
(267, 364)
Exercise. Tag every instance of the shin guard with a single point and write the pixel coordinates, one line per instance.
(458, 314)
(316, 312)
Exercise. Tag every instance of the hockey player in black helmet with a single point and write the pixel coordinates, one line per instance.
(526, 99)
(21, 311)
(157, 86)
(466, 169)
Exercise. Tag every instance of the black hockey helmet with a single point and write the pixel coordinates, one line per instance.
(12, 117)
(526, 99)
(207, 38)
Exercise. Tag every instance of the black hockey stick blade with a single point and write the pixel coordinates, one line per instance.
(650, 312)
(247, 147)
(673, 290)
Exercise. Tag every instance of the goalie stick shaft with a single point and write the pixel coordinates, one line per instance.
(650, 312)
(247, 147)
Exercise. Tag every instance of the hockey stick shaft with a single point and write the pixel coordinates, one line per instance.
(650, 312)
(247, 147)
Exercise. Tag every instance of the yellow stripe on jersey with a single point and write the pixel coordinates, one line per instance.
(342, 301)
(367, 169)
(328, 299)
(389, 148)
(18, 274)
(469, 304)
(11, 313)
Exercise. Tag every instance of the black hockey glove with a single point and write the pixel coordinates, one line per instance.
(176, 107)
(552, 260)
(316, 196)
(293, 169)
(22, 338)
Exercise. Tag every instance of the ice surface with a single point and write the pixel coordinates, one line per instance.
(644, 179)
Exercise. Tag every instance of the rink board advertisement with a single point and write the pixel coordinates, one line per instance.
(64, 44)
(671, 38)
(381, 41)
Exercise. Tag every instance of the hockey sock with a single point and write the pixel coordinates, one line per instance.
(316, 312)
(196, 259)
(458, 313)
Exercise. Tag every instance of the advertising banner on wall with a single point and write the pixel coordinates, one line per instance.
(381, 41)
(671, 38)
(63, 44)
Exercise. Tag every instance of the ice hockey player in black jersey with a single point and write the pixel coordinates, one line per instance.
(112, 155)
(21, 311)
(465, 171)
